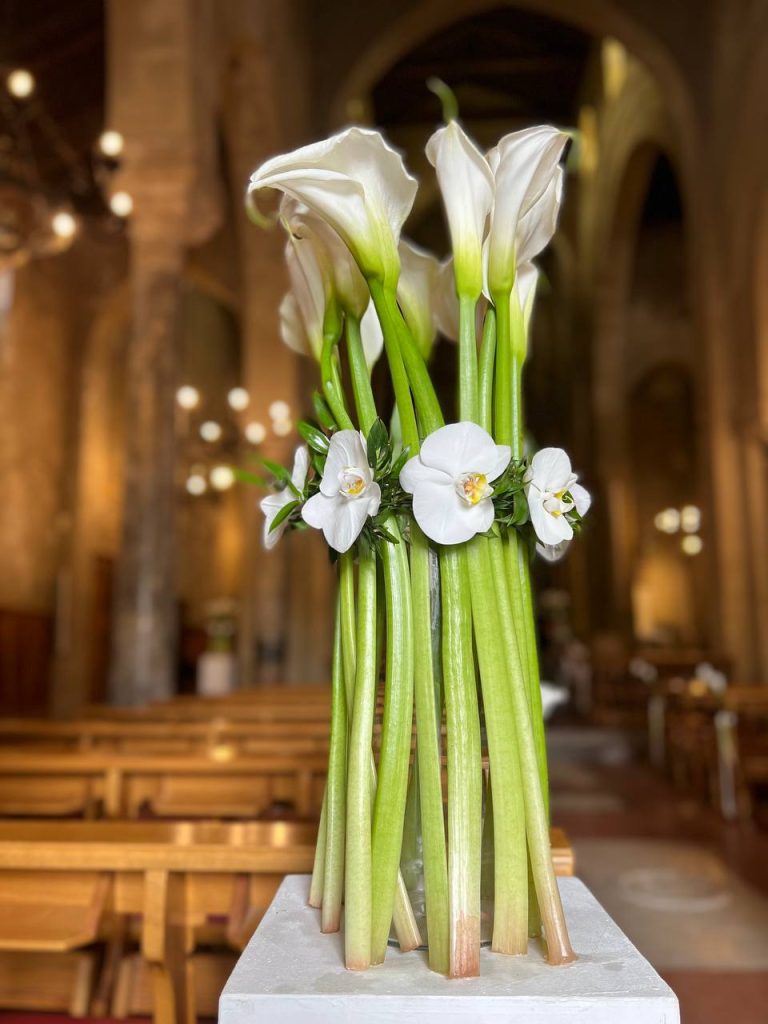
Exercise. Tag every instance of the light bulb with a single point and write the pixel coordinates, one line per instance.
(111, 143)
(282, 428)
(255, 432)
(690, 518)
(20, 83)
(667, 521)
(196, 484)
(187, 396)
(121, 204)
(210, 430)
(222, 478)
(691, 544)
(64, 224)
(238, 399)
(279, 411)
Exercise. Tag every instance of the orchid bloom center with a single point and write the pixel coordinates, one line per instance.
(473, 488)
(558, 503)
(352, 483)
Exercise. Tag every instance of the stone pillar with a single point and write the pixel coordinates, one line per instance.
(144, 624)
(162, 98)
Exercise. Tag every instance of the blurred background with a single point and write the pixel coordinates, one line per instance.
(140, 360)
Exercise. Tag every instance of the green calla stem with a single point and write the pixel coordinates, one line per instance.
(336, 791)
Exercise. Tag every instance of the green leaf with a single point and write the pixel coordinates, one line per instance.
(314, 437)
(323, 412)
(399, 462)
(283, 514)
(280, 473)
(243, 476)
(378, 443)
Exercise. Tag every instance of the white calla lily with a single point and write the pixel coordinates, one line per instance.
(348, 493)
(445, 304)
(273, 503)
(528, 191)
(467, 187)
(341, 273)
(450, 480)
(419, 272)
(292, 329)
(371, 336)
(358, 184)
(553, 494)
(309, 283)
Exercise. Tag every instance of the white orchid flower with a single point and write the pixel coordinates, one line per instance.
(467, 186)
(358, 184)
(553, 552)
(553, 494)
(273, 503)
(348, 493)
(419, 272)
(528, 183)
(450, 480)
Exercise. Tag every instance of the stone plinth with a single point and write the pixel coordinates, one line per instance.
(291, 974)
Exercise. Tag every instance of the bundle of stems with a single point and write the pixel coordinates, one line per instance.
(489, 665)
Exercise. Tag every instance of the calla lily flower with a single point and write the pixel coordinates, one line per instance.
(348, 493)
(445, 304)
(450, 480)
(467, 186)
(419, 272)
(340, 273)
(553, 495)
(309, 285)
(358, 184)
(528, 191)
(272, 504)
(371, 336)
(292, 329)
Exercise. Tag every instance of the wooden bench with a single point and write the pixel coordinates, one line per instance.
(126, 786)
(67, 886)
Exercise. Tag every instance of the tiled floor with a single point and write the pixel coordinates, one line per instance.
(691, 891)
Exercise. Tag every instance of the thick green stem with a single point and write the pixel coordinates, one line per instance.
(397, 727)
(336, 792)
(348, 625)
(332, 387)
(318, 867)
(428, 755)
(464, 766)
(487, 362)
(559, 949)
(510, 920)
(469, 406)
(358, 878)
(361, 381)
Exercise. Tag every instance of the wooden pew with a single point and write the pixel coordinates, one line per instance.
(127, 786)
(63, 887)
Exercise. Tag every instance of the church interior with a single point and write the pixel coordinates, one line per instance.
(164, 679)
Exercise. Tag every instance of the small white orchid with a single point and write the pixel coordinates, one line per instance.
(467, 187)
(348, 493)
(553, 495)
(450, 480)
(528, 182)
(552, 552)
(419, 272)
(358, 184)
(273, 503)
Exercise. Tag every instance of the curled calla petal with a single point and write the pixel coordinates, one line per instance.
(273, 503)
(348, 493)
(467, 187)
(554, 497)
(450, 480)
(371, 336)
(445, 302)
(292, 329)
(358, 184)
(416, 288)
(528, 191)
(308, 279)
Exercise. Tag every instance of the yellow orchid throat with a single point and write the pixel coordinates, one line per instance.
(473, 488)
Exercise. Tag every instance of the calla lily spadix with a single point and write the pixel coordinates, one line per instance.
(450, 480)
(416, 288)
(358, 184)
(348, 493)
(528, 186)
(553, 495)
(273, 503)
(467, 187)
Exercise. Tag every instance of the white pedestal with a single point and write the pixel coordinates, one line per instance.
(291, 974)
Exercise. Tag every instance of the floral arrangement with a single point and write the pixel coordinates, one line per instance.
(432, 526)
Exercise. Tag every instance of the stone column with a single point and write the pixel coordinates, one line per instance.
(144, 625)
